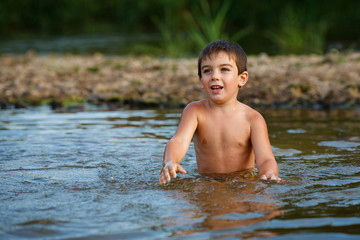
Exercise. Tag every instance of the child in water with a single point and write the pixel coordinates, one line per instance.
(228, 135)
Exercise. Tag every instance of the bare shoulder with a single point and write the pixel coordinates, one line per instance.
(253, 116)
(196, 107)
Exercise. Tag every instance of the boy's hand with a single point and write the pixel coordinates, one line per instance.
(170, 168)
(271, 177)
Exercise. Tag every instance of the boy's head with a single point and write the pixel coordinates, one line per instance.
(232, 49)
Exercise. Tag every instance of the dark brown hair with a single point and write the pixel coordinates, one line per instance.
(233, 49)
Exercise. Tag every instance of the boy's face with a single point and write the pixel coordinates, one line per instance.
(220, 79)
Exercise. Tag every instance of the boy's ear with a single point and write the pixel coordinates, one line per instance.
(243, 78)
(200, 80)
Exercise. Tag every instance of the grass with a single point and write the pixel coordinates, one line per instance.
(201, 25)
(299, 35)
(207, 24)
(93, 69)
(172, 44)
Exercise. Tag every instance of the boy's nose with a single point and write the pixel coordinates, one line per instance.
(216, 75)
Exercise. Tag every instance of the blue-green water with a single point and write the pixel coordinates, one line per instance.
(94, 175)
(81, 44)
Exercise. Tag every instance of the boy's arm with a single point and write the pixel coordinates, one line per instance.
(178, 145)
(264, 157)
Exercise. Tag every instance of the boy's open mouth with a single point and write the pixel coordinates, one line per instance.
(215, 87)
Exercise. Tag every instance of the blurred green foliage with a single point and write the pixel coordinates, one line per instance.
(183, 27)
(299, 32)
(208, 23)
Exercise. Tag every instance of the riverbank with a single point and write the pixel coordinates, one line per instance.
(326, 81)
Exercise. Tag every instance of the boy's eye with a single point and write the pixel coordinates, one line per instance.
(225, 69)
(206, 71)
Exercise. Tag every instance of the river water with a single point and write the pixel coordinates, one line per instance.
(94, 175)
(80, 44)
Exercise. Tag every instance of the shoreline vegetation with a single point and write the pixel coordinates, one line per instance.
(65, 81)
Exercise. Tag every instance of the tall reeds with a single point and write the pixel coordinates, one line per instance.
(202, 24)
(207, 24)
(298, 33)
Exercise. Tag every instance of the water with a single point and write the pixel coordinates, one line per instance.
(94, 175)
(81, 44)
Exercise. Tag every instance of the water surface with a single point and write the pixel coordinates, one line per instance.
(94, 174)
(77, 44)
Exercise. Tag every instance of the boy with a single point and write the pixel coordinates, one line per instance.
(228, 135)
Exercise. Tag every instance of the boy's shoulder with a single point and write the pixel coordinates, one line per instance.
(250, 113)
(196, 105)
(198, 109)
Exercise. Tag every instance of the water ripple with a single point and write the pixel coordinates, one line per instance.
(90, 175)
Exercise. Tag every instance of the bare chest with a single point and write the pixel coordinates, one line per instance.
(218, 133)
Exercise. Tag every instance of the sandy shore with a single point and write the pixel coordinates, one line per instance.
(306, 81)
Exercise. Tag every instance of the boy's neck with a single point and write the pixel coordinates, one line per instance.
(227, 106)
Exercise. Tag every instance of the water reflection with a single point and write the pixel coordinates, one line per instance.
(222, 202)
(94, 175)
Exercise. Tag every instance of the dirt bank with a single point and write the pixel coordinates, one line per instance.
(307, 81)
